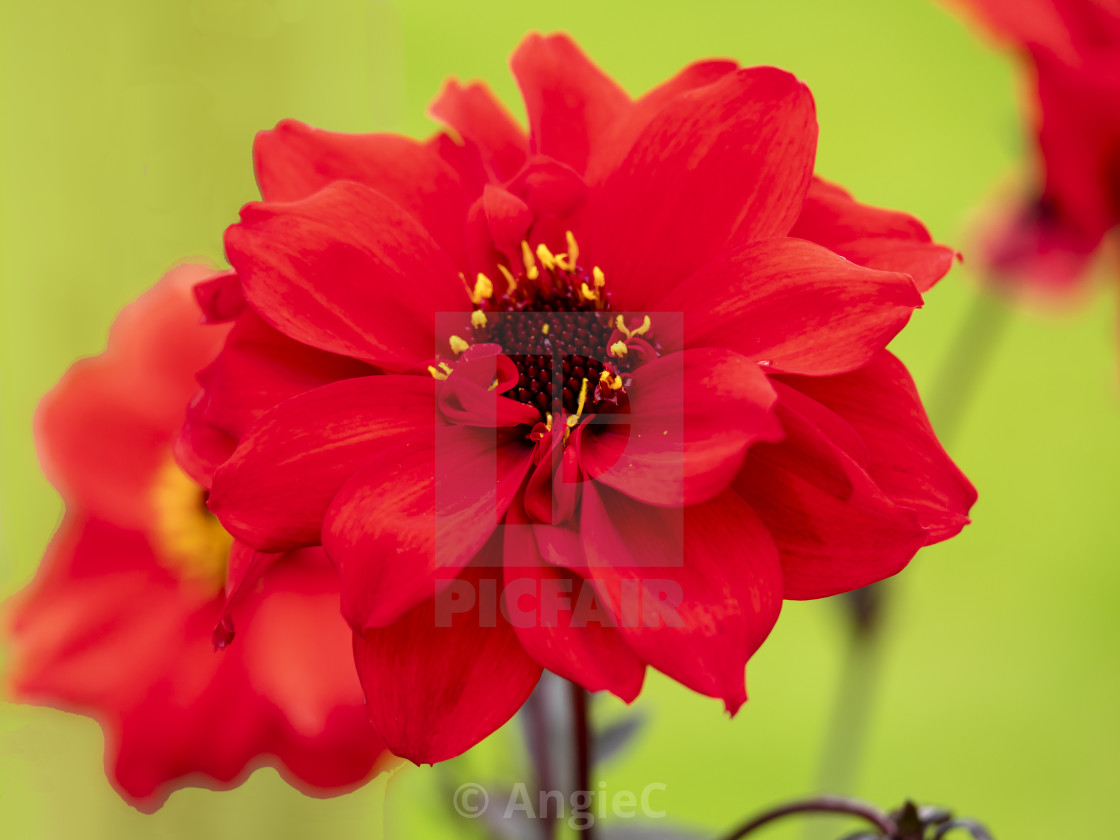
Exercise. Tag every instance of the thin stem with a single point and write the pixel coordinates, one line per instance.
(819, 805)
(952, 391)
(581, 736)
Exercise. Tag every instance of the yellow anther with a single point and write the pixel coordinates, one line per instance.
(618, 349)
(573, 249)
(446, 368)
(530, 264)
(457, 344)
(478, 319)
(436, 373)
(609, 380)
(548, 421)
(544, 329)
(599, 277)
(545, 256)
(483, 289)
(511, 281)
(493, 384)
(587, 293)
(620, 324)
(573, 419)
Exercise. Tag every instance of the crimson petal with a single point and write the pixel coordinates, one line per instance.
(439, 681)
(343, 271)
(904, 456)
(405, 524)
(697, 593)
(731, 160)
(693, 415)
(791, 304)
(275, 489)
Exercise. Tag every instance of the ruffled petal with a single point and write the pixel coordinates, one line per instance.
(836, 529)
(698, 590)
(407, 522)
(447, 674)
(274, 491)
(904, 456)
(871, 236)
(483, 123)
(560, 618)
(571, 102)
(294, 161)
(789, 304)
(348, 271)
(728, 161)
(692, 417)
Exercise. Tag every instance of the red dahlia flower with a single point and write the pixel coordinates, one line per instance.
(590, 399)
(1070, 50)
(118, 622)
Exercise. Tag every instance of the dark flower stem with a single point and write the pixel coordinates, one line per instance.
(819, 805)
(581, 742)
(950, 395)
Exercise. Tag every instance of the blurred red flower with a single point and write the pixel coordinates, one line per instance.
(117, 623)
(591, 399)
(1070, 52)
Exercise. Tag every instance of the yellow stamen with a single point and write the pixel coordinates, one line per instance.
(483, 289)
(586, 293)
(544, 329)
(548, 421)
(573, 248)
(457, 344)
(493, 384)
(436, 373)
(511, 281)
(629, 333)
(618, 349)
(478, 319)
(190, 540)
(573, 419)
(545, 256)
(530, 264)
(446, 368)
(609, 380)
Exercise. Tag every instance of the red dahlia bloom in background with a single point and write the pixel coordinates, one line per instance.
(117, 623)
(627, 370)
(1070, 51)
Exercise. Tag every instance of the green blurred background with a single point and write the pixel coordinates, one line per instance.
(125, 146)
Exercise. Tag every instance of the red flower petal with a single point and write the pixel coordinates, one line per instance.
(484, 123)
(608, 154)
(341, 271)
(697, 590)
(561, 620)
(792, 304)
(693, 415)
(731, 160)
(107, 427)
(412, 517)
(571, 102)
(220, 298)
(294, 161)
(275, 489)
(905, 458)
(870, 236)
(441, 678)
(836, 530)
(258, 369)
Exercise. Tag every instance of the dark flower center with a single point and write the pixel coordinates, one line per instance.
(555, 323)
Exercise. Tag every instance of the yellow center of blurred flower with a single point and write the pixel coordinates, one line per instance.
(188, 538)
